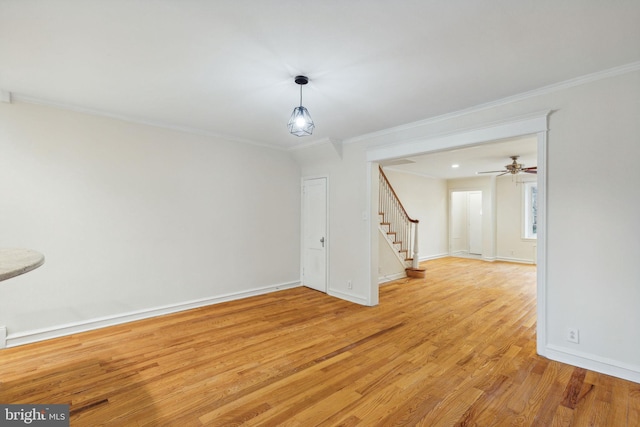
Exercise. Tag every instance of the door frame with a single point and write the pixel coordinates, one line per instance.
(467, 193)
(531, 124)
(471, 217)
(327, 236)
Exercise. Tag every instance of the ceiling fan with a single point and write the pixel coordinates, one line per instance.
(514, 168)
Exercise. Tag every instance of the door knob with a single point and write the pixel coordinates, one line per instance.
(322, 241)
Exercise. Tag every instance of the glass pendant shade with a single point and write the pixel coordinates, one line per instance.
(300, 123)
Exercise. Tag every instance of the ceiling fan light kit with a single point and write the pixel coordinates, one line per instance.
(513, 168)
(300, 122)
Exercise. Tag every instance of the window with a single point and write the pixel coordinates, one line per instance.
(530, 210)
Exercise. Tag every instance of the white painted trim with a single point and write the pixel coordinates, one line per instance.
(348, 297)
(390, 278)
(600, 75)
(373, 183)
(436, 256)
(337, 145)
(515, 260)
(535, 123)
(593, 362)
(612, 72)
(141, 121)
(541, 245)
(327, 237)
(28, 337)
(519, 126)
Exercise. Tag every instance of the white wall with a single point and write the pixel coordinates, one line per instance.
(390, 267)
(350, 228)
(592, 271)
(133, 218)
(425, 199)
(511, 246)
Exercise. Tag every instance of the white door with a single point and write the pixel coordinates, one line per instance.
(475, 222)
(459, 234)
(314, 233)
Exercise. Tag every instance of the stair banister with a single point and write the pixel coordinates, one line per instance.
(401, 225)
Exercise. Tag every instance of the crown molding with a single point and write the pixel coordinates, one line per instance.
(11, 97)
(337, 144)
(566, 84)
(14, 97)
(526, 124)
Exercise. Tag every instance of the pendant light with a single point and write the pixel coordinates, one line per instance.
(300, 123)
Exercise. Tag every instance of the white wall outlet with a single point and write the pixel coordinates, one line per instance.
(349, 284)
(573, 335)
(3, 337)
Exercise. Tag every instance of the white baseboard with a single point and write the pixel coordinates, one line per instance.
(593, 363)
(518, 260)
(391, 277)
(348, 297)
(13, 340)
(430, 257)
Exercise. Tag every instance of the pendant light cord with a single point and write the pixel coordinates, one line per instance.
(301, 95)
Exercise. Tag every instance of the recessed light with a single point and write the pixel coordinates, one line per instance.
(455, 166)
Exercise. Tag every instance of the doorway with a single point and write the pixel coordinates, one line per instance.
(465, 219)
(535, 125)
(314, 233)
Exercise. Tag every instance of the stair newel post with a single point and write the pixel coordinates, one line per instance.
(414, 262)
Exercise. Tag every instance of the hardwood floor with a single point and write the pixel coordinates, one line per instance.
(456, 348)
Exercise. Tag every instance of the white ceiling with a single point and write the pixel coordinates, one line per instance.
(226, 67)
(470, 160)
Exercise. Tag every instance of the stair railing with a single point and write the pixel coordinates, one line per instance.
(401, 225)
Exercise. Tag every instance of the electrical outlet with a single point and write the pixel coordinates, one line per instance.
(349, 284)
(573, 335)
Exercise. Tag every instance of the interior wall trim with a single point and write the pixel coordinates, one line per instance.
(535, 123)
(555, 87)
(528, 124)
(593, 362)
(17, 97)
(28, 337)
(348, 297)
(390, 278)
(516, 260)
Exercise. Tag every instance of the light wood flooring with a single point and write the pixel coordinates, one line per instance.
(454, 349)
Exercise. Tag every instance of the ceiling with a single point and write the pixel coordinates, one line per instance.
(226, 67)
(469, 160)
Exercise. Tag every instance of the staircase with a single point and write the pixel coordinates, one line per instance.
(400, 229)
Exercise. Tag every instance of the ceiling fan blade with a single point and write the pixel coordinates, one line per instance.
(530, 171)
(504, 173)
(478, 173)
